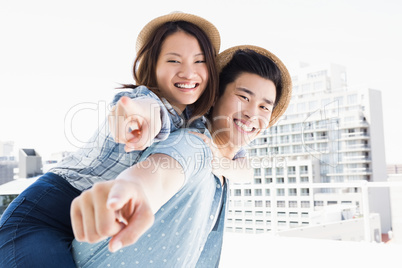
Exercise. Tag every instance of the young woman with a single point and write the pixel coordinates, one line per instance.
(176, 61)
(169, 204)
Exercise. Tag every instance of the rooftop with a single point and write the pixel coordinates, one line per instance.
(266, 250)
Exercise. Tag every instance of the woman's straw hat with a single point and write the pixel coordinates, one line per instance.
(225, 56)
(210, 30)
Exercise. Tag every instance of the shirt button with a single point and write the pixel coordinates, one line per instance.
(211, 217)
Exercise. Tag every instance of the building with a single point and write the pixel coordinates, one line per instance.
(394, 169)
(6, 148)
(8, 162)
(7, 166)
(30, 163)
(329, 134)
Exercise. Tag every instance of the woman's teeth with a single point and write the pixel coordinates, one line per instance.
(186, 85)
(243, 126)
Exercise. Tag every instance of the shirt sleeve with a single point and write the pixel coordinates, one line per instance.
(169, 118)
(188, 150)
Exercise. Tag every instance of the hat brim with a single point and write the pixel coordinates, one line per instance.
(210, 30)
(225, 56)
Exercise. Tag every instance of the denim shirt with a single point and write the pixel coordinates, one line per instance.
(188, 229)
(101, 158)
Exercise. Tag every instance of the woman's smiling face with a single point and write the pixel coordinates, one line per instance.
(244, 110)
(181, 71)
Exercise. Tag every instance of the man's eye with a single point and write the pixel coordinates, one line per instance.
(265, 108)
(244, 97)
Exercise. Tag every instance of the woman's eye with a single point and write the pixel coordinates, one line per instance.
(200, 61)
(173, 61)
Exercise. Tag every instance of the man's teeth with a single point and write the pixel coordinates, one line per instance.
(186, 85)
(243, 126)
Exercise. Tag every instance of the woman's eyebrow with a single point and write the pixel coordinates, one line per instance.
(178, 55)
(251, 93)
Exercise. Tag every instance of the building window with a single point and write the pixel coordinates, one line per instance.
(291, 170)
(305, 204)
(296, 138)
(293, 224)
(319, 203)
(292, 192)
(263, 151)
(303, 169)
(257, 172)
(257, 181)
(291, 180)
(304, 179)
(247, 192)
(249, 230)
(279, 171)
(293, 214)
(238, 221)
(280, 180)
(259, 213)
(282, 223)
(267, 192)
(296, 127)
(268, 171)
(281, 214)
(305, 191)
(248, 203)
(280, 192)
(280, 204)
(268, 180)
(258, 203)
(293, 204)
(237, 192)
(258, 192)
(259, 222)
(297, 149)
(267, 203)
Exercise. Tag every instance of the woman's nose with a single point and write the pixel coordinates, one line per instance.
(186, 71)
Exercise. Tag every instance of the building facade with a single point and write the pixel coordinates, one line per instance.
(329, 134)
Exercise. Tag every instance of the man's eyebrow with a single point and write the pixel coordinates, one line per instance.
(251, 93)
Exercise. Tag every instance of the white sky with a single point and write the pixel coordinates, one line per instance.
(60, 60)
